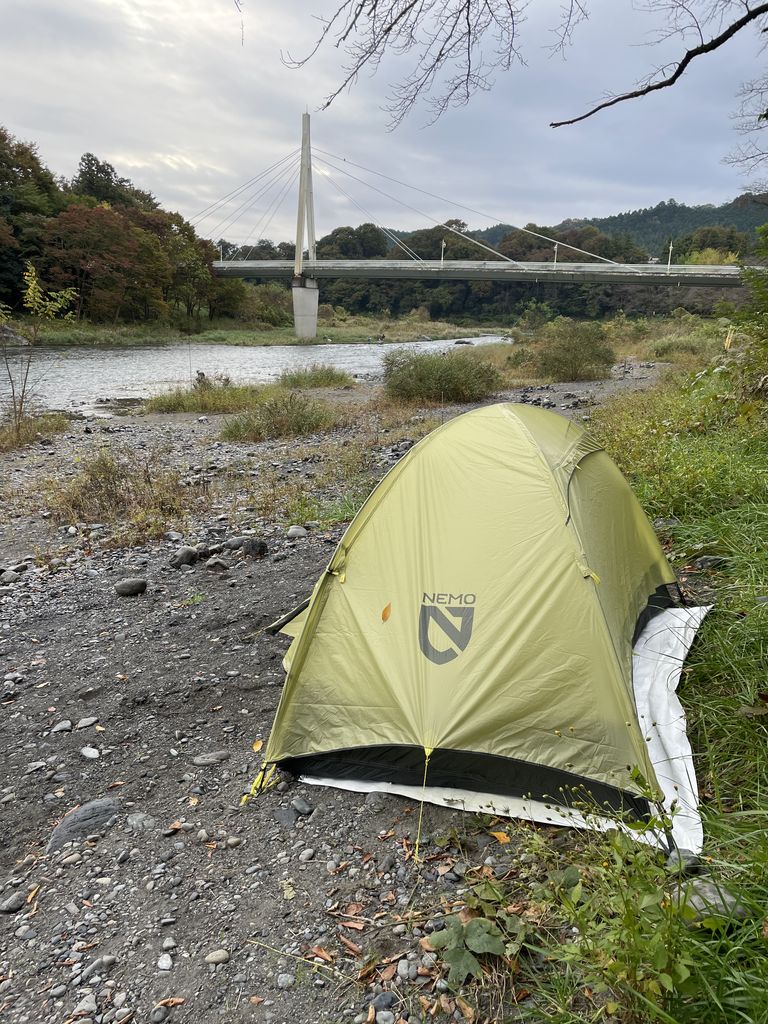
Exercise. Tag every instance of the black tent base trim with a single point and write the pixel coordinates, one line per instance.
(470, 770)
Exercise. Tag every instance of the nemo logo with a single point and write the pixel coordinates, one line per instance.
(444, 632)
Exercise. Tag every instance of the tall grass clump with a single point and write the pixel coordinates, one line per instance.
(439, 377)
(574, 350)
(119, 487)
(319, 375)
(29, 429)
(209, 395)
(283, 414)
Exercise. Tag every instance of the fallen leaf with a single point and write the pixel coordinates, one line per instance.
(194, 801)
(257, 745)
(371, 1014)
(350, 945)
(322, 953)
(426, 945)
(287, 885)
(501, 836)
(99, 728)
(446, 1005)
(256, 1000)
(356, 925)
(353, 909)
(32, 894)
(171, 1001)
(388, 973)
(174, 826)
(466, 1010)
(115, 784)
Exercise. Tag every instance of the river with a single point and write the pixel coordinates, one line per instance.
(85, 379)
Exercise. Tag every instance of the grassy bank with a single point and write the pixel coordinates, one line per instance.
(355, 330)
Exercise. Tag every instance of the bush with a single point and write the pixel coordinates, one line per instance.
(284, 414)
(439, 377)
(575, 350)
(121, 486)
(318, 375)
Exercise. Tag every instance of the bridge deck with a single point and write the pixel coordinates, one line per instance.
(492, 270)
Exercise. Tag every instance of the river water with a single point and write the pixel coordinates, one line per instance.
(79, 378)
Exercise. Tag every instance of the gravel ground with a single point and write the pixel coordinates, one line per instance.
(133, 884)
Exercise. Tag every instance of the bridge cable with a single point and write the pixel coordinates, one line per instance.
(208, 210)
(421, 213)
(274, 207)
(276, 180)
(392, 237)
(469, 209)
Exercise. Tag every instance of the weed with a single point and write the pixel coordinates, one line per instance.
(439, 377)
(118, 487)
(29, 429)
(282, 414)
(574, 350)
(209, 395)
(319, 375)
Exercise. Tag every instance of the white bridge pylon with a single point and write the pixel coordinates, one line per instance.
(304, 289)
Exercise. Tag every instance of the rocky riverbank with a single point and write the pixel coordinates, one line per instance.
(134, 886)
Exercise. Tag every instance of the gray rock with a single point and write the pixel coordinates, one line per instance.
(165, 963)
(295, 532)
(130, 587)
(306, 855)
(216, 564)
(255, 548)
(86, 723)
(285, 816)
(385, 1017)
(211, 758)
(64, 726)
(13, 903)
(159, 1014)
(288, 981)
(684, 861)
(86, 1005)
(709, 561)
(708, 899)
(184, 556)
(301, 806)
(218, 956)
(84, 821)
(384, 1000)
(90, 753)
(141, 822)
(9, 577)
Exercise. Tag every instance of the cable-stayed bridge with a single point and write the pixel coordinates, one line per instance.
(305, 270)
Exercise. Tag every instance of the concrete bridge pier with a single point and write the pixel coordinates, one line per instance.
(305, 301)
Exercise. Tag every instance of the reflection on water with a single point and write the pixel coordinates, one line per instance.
(78, 378)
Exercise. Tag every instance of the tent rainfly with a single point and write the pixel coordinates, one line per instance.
(495, 631)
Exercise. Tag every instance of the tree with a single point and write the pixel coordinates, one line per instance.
(460, 45)
(100, 180)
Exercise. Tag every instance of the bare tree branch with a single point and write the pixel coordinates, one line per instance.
(752, 14)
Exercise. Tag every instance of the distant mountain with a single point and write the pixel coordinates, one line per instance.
(654, 227)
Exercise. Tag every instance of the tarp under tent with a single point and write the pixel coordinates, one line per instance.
(497, 631)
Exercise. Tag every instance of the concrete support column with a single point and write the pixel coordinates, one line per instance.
(305, 300)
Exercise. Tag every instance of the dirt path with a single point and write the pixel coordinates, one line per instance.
(168, 900)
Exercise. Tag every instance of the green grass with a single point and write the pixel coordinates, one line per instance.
(439, 377)
(217, 398)
(282, 414)
(30, 429)
(318, 375)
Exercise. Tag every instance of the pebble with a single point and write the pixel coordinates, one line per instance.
(295, 532)
(165, 963)
(13, 903)
(306, 855)
(218, 956)
(385, 1017)
(214, 757)
(301, 806)
(288, 981)
(86, 723)
(184, 556)
(64, 726)
(131, 587)
(91, 753)
(160, 1013)
(86, 1005)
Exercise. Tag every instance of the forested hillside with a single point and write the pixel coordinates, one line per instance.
(655, 227)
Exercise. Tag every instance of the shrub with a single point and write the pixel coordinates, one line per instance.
(318, 375)
(575, 350)
(284, 414)
(439, 377)
(121, 486)
(209, 395)
(17, 433)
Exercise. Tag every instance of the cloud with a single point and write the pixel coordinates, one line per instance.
(172, 97)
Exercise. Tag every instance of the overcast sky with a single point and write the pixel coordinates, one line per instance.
(168, 92)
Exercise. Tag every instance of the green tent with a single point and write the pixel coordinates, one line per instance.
(473, 632)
